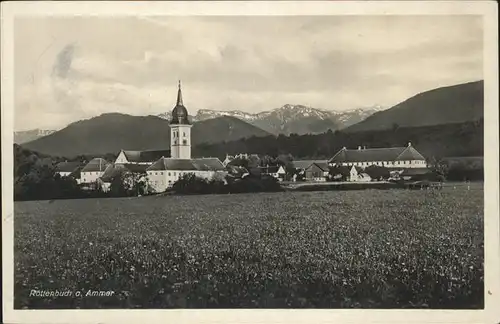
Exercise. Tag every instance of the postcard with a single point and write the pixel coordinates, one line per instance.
(250, 162)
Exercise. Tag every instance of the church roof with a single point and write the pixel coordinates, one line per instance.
(145, 156)
(201, 164)
(377, 154)
(96, 164)
(179, 113)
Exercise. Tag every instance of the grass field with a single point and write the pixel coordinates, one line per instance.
(371, 249)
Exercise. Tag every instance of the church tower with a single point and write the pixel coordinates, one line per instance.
(180, 130)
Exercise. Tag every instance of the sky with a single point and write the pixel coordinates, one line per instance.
(67, 69)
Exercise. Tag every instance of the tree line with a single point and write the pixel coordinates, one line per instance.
(439, 141)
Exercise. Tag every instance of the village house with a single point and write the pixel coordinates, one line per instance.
(68, 169)
(350, 174)
(356, 174)
(311, 170)
(130, 174)
(392, 157)
(93, 171)
(317, 171)
(275, 171)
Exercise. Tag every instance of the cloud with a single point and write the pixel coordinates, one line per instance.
(63, 61)
(131, 65)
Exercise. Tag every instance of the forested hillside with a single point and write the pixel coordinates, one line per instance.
(461, 139)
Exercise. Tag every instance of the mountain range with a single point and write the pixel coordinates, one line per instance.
(290, 119)
(108, 133)
(30, 135)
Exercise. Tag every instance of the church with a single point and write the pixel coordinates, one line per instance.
(160, 169)
(164, 171)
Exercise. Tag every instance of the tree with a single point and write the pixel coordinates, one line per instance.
(191, 184)
(439, 168)
(118, 188)
(377, 172)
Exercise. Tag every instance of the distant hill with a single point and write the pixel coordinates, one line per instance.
(109, 133)
(288, 119)
(453, 104)
(21, 137)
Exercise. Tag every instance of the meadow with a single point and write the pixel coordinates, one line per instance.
(328, 249)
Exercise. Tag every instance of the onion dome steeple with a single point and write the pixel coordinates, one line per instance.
(179, 113)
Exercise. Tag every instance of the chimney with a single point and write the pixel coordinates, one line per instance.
(344, 148)
(409, 144)
(359, 148)
(364, 147)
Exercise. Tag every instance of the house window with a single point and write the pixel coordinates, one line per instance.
(169, 174)
(184, 134)
(184, 142)
(174, 174)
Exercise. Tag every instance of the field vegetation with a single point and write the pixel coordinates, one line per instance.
(368, 249)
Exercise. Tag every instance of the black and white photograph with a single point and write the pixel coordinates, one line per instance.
(259, 157)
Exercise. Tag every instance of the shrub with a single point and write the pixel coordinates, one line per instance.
(190, 184)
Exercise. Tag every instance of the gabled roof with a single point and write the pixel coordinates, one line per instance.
(208, 164)
(111, 172)
(96, 164)
(304, 164)
(145, 156)
(117, 169)
(67, 166)
(377, 154)
(323, 165)
(201, 164)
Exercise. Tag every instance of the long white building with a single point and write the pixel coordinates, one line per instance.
(390, 157)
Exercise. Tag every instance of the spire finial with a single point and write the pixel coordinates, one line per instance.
(179, 95)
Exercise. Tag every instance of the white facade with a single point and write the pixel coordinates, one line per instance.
(91, 176)
(63, 173)
(391, 164)
(161, 180)
(180, 141)
(121, 159)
